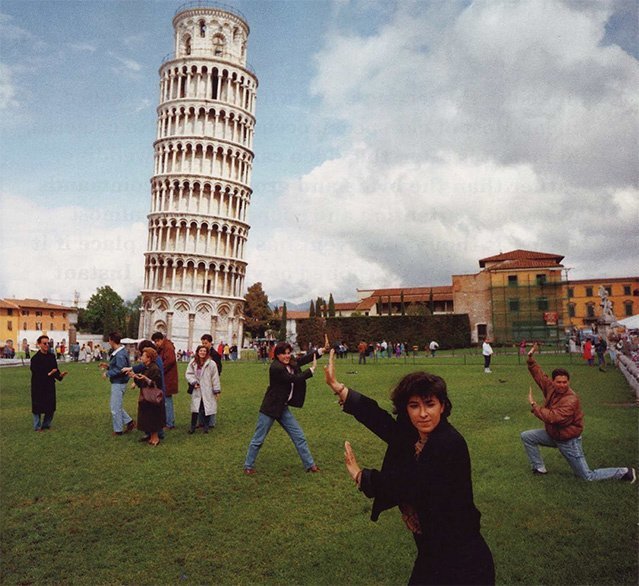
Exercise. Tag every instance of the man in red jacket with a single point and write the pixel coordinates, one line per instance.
(166, 351)
(563, 425)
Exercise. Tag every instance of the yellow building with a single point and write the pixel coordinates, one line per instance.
(582, 301)
(22, 319)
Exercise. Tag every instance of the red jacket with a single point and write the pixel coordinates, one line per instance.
(167, 354)
(561, 413)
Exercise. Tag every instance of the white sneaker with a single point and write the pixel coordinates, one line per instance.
(487, 370)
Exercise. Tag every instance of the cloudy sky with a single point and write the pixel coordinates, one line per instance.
(397, 142)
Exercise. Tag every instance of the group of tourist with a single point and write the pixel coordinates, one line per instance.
(425, 473)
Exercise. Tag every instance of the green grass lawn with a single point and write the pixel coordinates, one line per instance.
(79, 506)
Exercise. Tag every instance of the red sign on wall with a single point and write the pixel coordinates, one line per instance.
(551, 317)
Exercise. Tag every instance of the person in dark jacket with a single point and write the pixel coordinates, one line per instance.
(115, 372)
(287, 386)
(151, 418)
(44, 373)
(426, 473)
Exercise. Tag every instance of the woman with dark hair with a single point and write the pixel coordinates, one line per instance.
(151, 418)
(287, 386)
(426, 474)
(202, 375)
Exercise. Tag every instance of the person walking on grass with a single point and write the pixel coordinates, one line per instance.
(287, 387)
(44, 374)
(202, 375)
(426, 474)
(563, 425)
(115, 372)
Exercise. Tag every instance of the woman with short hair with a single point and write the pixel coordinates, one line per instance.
(426, 473)
(151, 417)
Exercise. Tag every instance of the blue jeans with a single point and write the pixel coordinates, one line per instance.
(290, 425)
(571, 450)
(46, 424)
(170, 412)
(120, 417)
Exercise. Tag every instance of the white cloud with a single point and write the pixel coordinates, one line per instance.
(469, 131)
(53, 251)
(83, 47)
(126, 65)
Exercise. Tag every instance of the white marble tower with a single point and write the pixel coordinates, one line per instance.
(200, 189)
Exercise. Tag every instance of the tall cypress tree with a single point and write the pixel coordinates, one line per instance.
(331, 306)
(311, 309)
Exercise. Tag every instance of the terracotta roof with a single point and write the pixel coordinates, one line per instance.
(296, 314)
(412, 294)
(39, 304)
(520, 254)
(602, 280)
(347, 306)
(366, 304)
(523, 264)
(5, 304)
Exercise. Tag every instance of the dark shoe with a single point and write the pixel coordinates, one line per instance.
(538, 472)
(630, 476)
(130, 426)
(250, 471)
(117, 433)
(206, 430)
(169, 427)
(191, 430)
(313, 468)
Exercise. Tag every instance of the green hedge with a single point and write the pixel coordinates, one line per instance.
(450, 331)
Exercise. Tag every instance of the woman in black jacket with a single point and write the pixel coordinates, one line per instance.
(287, 386)
(426, 473)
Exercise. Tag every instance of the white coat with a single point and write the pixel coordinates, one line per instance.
(209, 381)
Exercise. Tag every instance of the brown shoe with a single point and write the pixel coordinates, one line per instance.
(250, 471)
(313, 468)
(117, 433)
(130, 426)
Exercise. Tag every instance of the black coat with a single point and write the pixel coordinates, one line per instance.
(213, 353)
(279, 388)
(43, 386)
(438, 485)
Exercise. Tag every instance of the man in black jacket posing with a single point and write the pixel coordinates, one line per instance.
(287, 386)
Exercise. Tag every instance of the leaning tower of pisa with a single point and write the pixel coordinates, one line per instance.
(200, 189)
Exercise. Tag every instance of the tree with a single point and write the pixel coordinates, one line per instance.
(331, 306)
(390, 307)
(431, 302)
(132, 317)
(281, 336)
(320, 307)
(105, 313)
(257, 313)
(311, 309)
(402, 307)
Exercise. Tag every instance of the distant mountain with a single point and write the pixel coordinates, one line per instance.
(289, 305)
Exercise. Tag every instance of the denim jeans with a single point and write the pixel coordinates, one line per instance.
(291, 426)
(46, 424)
(170, 412)
(571, 450)
(120, 417)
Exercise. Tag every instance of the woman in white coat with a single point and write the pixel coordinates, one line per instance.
(204, 380)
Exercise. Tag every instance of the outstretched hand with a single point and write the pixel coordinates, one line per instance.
(351, 462)
(329, 373)
(535, 348)
(327, 344)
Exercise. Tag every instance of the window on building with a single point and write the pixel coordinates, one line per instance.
(541, 280)
(513, 304)
(10, 325)
(51, 326)
(512, 280)
(588, 291)
(64, 326)
(50, 314)
(218, 45)
(571, 310)
(590, 310)
(24, 325)
(202, 29)
(626, 289)
(571, 291)
(542, 303)
(627, 306)
(9, 311)
(38, 326)
(38, 314)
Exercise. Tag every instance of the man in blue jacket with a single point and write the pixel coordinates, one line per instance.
(119, 359)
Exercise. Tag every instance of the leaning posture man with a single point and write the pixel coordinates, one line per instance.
(564, 423)
(114, 371)
(44, 373)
